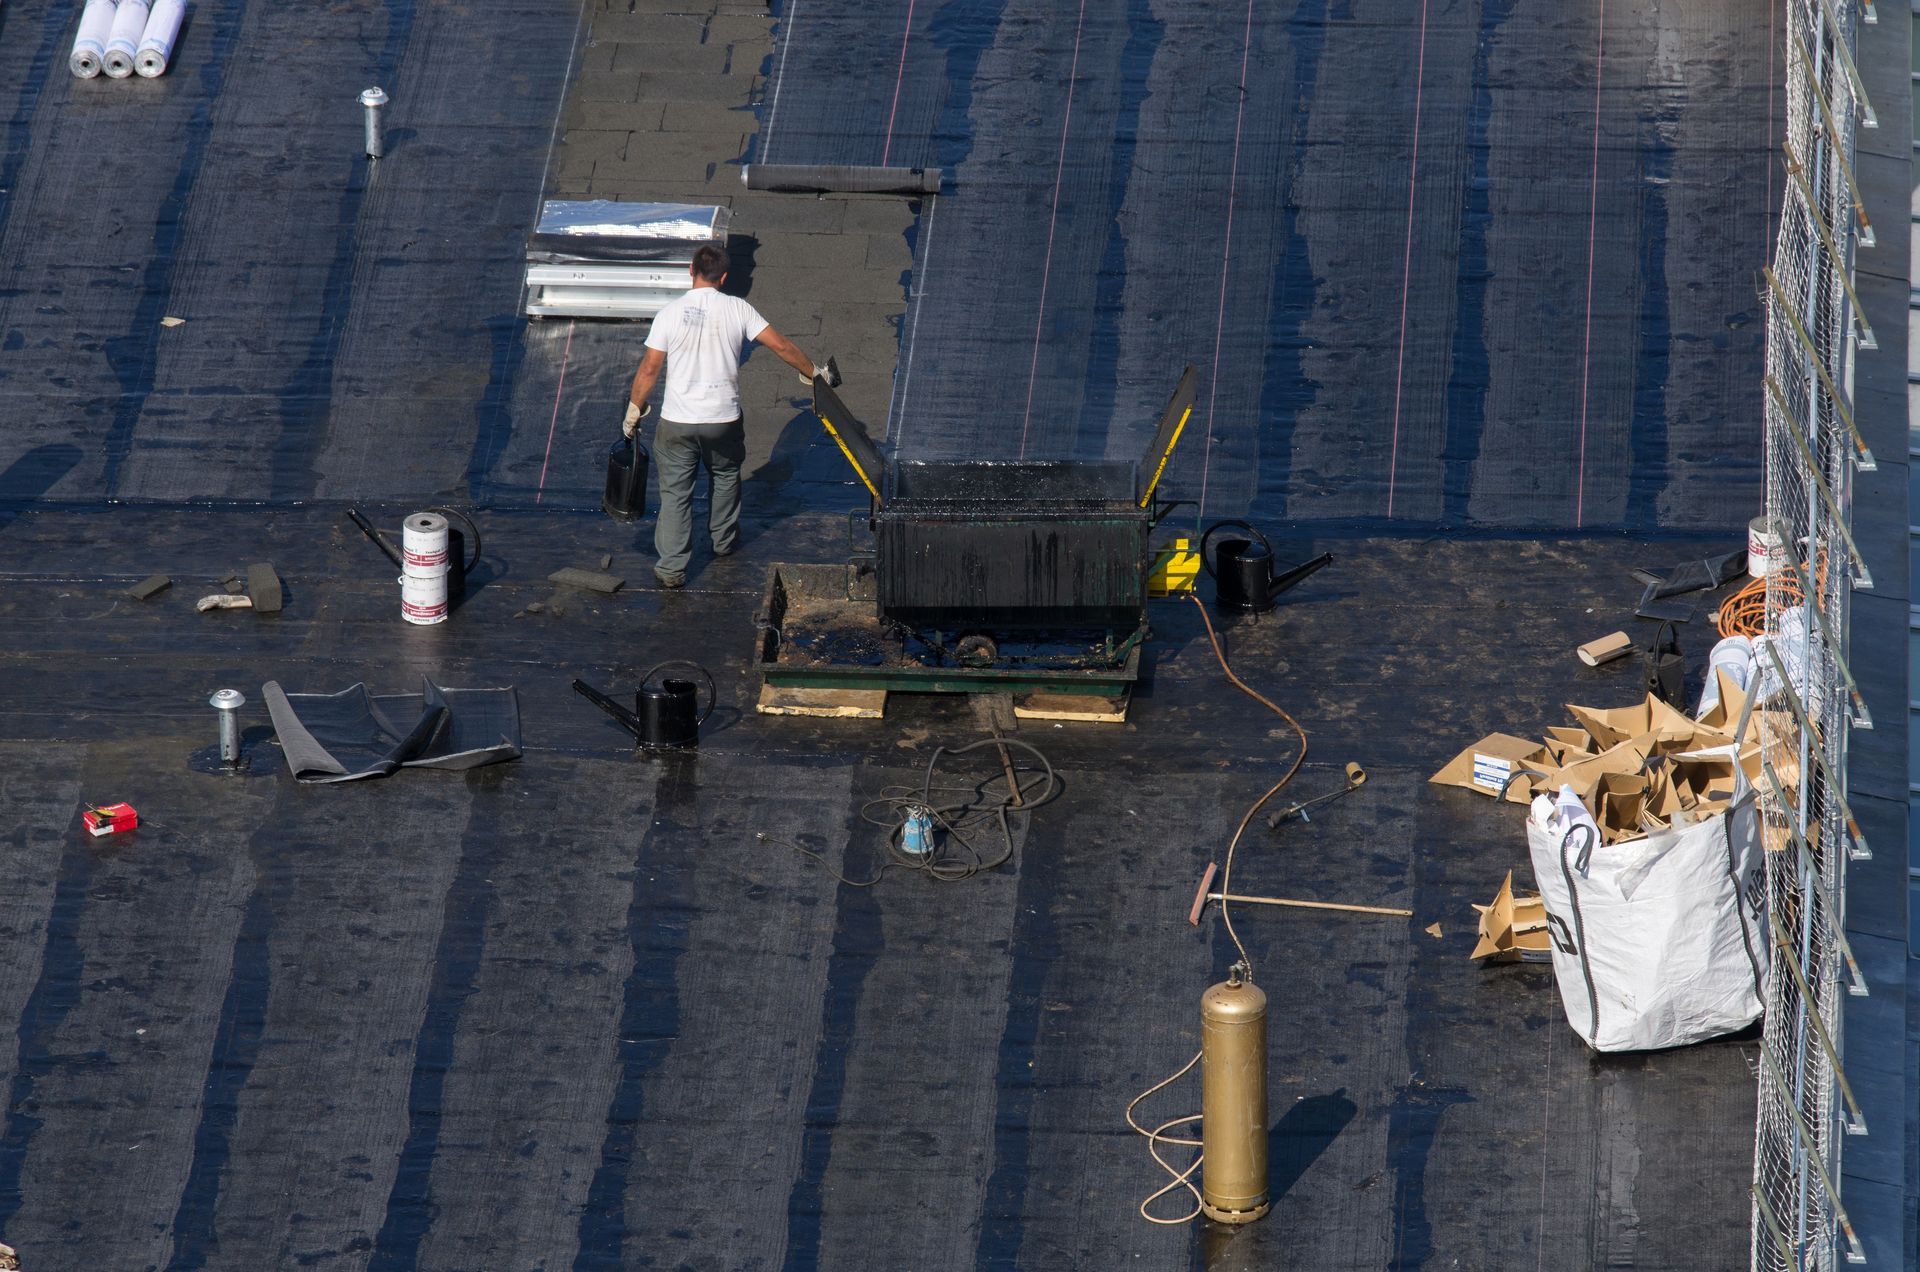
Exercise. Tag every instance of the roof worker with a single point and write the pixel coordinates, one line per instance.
(700, 339)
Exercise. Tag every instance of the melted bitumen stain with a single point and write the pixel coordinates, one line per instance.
(1413, 1121)
(1037, 951)
(1470, 375)
(33, 475)
(964, 31)
(132, 356)
(54, 996)
(494, 416)
(19, 133)
(1647, 477)
(659, 920)
(857, 940)
(236, 1046)
(1144, 33)
(1285, 390)
(463, 936)
(305, 400)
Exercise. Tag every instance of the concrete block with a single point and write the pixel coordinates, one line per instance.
(730, 118)
(590, 145)
(604, 86)
(676, 54)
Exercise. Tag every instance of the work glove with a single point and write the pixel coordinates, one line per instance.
(635, 413)
(830, 373)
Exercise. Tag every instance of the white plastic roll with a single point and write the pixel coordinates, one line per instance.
(423, 578)
(423, 544)
(423, 598)
(1733, 655)
(156, 42)
(123, 40)
(90, 42)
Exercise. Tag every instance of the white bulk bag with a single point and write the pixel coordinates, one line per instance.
(1658, 941)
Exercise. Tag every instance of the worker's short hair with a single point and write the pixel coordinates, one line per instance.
(710, 263)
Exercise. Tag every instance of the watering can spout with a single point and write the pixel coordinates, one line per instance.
(1299, 574)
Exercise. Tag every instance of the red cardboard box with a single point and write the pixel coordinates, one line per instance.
(110, 819)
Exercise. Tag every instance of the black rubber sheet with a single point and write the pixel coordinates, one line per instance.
(352, 734)
(1544, 319)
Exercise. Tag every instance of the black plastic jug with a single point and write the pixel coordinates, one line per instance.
(626, 493)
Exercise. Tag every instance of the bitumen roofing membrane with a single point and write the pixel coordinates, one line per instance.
(591, 1009)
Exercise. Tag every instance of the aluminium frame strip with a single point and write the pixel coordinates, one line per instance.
(1833, 130)
(1784, 945)
(1797, 172)
(1864, 455)
(1862, 718)
(1858, 87)
(1836, 790)
(1788, 1250)
(1863, 578)
(1804, 852)
(1856, 1253)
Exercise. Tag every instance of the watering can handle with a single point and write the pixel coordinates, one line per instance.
(1207, 561)
(713, 694)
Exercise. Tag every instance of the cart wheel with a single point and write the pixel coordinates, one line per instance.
(976, 649)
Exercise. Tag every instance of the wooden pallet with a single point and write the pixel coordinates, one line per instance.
(844, 704)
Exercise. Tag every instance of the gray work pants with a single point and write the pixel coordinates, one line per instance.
(678, 452)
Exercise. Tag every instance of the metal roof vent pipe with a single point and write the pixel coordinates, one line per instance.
(374, 99)
(228, 758)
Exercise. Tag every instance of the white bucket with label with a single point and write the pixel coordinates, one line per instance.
(1764, 551)
(423, 579)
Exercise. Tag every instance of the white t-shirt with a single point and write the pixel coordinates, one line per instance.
(704, 334)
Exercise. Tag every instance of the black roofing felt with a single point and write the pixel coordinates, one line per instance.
(573, 1011)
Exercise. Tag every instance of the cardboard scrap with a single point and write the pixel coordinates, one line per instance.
(1514, 928)
(1638, 769)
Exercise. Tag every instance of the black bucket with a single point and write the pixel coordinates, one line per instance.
(668, 711)
(626, 493)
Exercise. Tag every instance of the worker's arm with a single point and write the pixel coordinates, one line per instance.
(646, 377)
(787, 351)
(643, 381)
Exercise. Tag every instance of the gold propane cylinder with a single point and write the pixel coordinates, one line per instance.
(1233, 1101)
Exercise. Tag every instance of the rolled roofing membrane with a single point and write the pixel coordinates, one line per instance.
(123, 41)
(156, 43)
(90, 41)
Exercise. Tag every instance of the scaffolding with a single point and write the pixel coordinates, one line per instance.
(1805, 701)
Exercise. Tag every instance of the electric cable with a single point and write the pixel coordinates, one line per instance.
(1158, 1136)
(981, 803)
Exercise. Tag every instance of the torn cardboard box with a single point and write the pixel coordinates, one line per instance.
(1638, 769)
(1514, 928)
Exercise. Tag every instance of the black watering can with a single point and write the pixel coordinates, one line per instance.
(666, 714)
(462, 557)
(625, 497)
(1242, 569)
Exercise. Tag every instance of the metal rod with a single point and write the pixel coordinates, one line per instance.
(1836, 790)
(1858, 1126)
(1237, 899)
